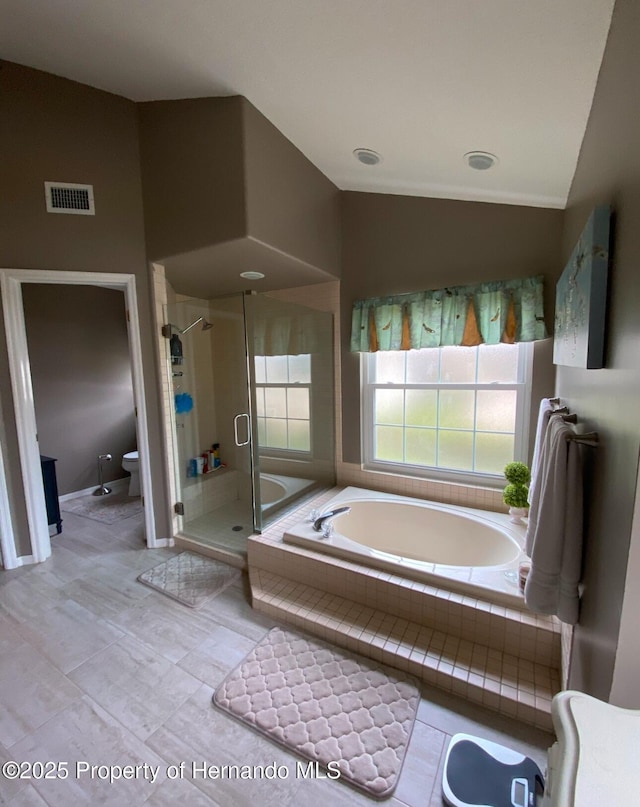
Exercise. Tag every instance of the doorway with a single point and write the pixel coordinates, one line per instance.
(11, 281)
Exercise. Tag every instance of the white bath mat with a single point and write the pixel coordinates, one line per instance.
(327, 705)
(190, 578)
(107, 509)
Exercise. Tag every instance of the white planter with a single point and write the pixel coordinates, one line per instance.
(518, 514)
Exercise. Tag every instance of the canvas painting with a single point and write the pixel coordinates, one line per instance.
(581, 297)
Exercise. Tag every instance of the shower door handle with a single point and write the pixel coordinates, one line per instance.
(235, 429)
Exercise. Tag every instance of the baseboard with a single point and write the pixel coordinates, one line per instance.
(24, 560)
(116, 484)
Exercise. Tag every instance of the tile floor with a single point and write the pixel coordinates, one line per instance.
(97, 668)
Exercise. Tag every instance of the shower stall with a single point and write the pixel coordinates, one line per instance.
(252, 376)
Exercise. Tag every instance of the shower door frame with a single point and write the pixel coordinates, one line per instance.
(11, 281)
(172, 428)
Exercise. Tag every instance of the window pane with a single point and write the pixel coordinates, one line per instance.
(455, 450)
(456, 409)
(389, 367)
(388, 443)
(299, 439)
(423, 365)
(275, 402)
(260, 402)
(422, 407)
(493, 452)
(261, 372)
(497, 363)
(496, 410)
(420, 446)
(276, 433)
(298, 403)
(458, 364)
(262, 432)
(300, 369)
(389, 406)
(276, 369)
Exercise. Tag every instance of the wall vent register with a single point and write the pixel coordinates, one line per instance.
(67, 197)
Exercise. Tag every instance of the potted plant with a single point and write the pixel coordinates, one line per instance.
(516, 493)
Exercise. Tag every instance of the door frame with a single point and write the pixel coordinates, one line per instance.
(11, 281)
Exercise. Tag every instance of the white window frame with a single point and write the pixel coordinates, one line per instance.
(279, 452)
(521, 438)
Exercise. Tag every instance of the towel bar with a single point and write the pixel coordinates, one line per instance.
(587, 439)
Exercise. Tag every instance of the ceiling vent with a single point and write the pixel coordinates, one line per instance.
(67, 197)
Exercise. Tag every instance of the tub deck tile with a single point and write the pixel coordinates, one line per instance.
(500, 681)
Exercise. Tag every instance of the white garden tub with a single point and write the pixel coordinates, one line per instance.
(277, 490)
(423, 540)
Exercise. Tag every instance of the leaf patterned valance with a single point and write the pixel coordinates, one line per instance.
(486, 313)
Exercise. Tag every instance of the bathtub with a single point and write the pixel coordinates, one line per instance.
(276, 490)
(461, 548)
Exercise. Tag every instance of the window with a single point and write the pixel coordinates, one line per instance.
(451, 412)
(283, 402)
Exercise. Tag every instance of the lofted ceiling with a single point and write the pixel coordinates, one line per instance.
(422, 82)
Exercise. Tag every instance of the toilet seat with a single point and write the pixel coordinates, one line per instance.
(132, 455)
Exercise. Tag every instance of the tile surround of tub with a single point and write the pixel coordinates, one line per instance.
(445, 492)
(363, 609)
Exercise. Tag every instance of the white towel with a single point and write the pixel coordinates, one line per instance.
(555, 523)
(544, 413)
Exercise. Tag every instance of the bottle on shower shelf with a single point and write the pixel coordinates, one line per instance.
(215, 448)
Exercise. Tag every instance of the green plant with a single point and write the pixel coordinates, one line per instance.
(517, 473)
(515, 495)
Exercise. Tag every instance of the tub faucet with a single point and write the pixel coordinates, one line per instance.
(325, 517)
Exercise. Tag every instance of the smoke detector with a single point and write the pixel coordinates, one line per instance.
(367, 156)
(480, 160)
(252, 275)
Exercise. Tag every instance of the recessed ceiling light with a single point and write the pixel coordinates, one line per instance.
(480, 160)
(252, 275)
(367, 156)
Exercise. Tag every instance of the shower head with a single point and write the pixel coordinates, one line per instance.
(166, 329)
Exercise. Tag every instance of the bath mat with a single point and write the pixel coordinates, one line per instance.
(326, 705)
(107, 509)
(190, 578)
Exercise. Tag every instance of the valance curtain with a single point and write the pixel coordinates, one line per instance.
(486, 313)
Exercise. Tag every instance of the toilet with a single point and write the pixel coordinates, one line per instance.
(130, 463)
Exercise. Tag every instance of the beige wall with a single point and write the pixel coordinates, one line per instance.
(82, 384)
(608, 400)
(291, 205)
(193, 174)
(398, 244)
(54, 129)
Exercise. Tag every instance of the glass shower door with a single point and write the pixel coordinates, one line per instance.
(214, 468)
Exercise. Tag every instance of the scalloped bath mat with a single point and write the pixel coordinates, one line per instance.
(326, 705)
(190, 578)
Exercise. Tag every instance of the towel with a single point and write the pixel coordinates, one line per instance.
(544, 413)
(555, 526)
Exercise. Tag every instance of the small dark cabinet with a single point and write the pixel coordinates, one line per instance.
(51, 492)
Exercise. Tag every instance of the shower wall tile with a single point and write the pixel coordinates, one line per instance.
(163, 294)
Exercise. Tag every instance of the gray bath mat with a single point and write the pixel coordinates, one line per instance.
(190, 578)
(107, 509)
(327, 705)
